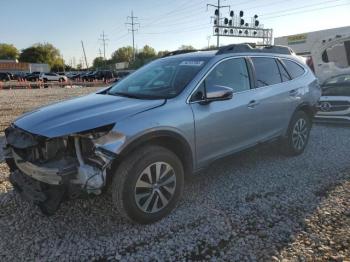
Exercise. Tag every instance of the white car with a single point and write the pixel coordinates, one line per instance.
(52, 77)
(334, 104)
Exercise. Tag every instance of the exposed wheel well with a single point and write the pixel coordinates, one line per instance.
(173, 143)
(307, 109)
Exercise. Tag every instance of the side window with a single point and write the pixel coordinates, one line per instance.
(284, 74)
(232, 73)
(293, 68)
(266, 71)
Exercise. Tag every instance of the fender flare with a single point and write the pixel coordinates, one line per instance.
(176, 143)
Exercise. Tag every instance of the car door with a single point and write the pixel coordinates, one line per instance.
(55, 77)
(222, 127)
(48, 76)
(273, 96)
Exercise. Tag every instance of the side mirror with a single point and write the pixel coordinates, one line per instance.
(218, 93)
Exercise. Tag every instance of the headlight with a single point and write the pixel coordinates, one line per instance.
(97, 132)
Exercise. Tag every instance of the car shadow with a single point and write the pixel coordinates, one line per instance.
(249, 206)
(2, 143)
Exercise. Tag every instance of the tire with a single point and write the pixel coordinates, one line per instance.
(297, 135)
(135, 196)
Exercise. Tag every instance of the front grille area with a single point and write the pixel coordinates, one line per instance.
(333, 106)
(38, 149)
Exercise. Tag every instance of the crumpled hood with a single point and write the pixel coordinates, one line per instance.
(82, 113)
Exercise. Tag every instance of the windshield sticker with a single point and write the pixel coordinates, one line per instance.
(191, 63)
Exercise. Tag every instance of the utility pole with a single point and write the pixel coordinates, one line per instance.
(132, 17)
(208, 38)
(104, 40)
(86, 63)
(217, 17)
(100, 52)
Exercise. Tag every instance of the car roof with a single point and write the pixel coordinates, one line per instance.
(213, 53)
(194, 54)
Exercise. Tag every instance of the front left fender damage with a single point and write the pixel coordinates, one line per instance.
(47, 171)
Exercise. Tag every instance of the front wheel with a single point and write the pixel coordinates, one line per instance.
(148, 184)
(297, 134)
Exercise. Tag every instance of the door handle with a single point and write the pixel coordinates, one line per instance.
(293, 92)
(253, 103)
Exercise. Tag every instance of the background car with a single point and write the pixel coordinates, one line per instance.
(52, 77)
(121, 74)
(19, 76)
(34, 76)
(73, 75)
(334, 105)
(4, 76)
(100, 75)
(87, 75)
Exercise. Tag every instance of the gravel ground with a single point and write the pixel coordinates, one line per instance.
(15, 102)
(256, 205)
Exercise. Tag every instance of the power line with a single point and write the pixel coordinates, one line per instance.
(178, 32)
(104, 40)
(133, 23)
(179, 9)
(306, 11)
(265, 5)
(300, 7)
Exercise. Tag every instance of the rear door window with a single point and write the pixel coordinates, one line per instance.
(284, 74)
(293, 68)
(266, 71)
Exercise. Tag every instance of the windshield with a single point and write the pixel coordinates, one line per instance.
(341, 79)
(163, 78)
(337, 86)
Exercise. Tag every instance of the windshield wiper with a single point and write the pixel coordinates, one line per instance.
(136, 96)
(124, 95)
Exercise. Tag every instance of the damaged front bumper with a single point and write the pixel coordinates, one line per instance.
(48, 171)
(51, 175)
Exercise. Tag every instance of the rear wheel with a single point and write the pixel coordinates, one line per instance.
(148, 184)
(298, 134)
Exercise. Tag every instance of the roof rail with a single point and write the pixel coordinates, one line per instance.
(254, 48)
(178, 52)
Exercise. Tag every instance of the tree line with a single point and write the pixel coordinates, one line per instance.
(48, 54)
(125, 54)
(38, 53)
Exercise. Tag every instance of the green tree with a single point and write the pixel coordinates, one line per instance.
(123, 54)
(162, 53)
(8, 51)
(42, 53)
(146, 53)
(186, 47)
(213, 47)
(98, 62)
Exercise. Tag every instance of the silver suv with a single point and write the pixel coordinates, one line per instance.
(142, 136)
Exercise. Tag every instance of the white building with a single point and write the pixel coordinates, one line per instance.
(327, 51)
